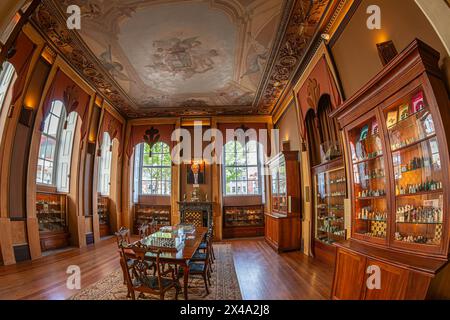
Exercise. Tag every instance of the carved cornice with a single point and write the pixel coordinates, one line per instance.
(301, 27)
(299, 22)
(329, 26)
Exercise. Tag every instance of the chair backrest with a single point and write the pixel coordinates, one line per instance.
(152, 227)
(123, 237)
(209, 238)
(143, 231)
(141, 267)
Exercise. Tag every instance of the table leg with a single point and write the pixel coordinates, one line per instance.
(186, 280)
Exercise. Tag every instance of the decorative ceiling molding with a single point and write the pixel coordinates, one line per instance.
(301, 27)
(331, 22)
(298, 24)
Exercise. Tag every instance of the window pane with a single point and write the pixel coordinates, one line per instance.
(48, 172)
(251, 146)
(53, 127)
(166, 159)
(56, 108)
(156, 174)
(50, 149)
(42, 146)
(252, 173)
(157, 148)
(147, 161)
(166, 173)
(40, 168)
(146, 174)
(241, 173)
(146, 148)
(230, 174)
(252, 159)
(240, 155)
(252, 187)
(145, 187)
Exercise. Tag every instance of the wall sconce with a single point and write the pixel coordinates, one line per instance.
(386, 51)
(286, 145)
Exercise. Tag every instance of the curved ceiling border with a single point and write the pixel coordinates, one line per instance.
(290, 46)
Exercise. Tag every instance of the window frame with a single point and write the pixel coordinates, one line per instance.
(105, 158)
(61, 119)
(8, 72)
(258, 166)
(142, 166)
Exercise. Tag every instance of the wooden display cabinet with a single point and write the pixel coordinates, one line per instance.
(330, 190)
(157, 214)
(103, 216)
(51, 212)
(282, 223)
(243, 221)
(397, 130)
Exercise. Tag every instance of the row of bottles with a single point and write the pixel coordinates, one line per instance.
(413, 214)
(371, 193)
(415, 164)
(367, 213)
(429, 185)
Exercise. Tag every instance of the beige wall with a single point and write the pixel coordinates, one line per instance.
(288, 126)
(355, 51)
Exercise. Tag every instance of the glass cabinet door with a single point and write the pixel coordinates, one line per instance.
(369, 180)
(417, 171)
(330, 191)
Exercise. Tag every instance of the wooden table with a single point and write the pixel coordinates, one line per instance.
(182, 256)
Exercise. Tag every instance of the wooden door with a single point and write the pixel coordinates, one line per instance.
(349, 276)
(394, 281)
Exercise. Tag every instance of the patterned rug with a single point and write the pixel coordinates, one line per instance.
(224, 283)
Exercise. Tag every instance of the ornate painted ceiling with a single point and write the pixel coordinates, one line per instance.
(191, 57)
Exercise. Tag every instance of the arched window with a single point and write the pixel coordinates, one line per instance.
(242, 168)
(104, 170)
(6, 76)
(153, 169)
(313, 137)
(55, 149)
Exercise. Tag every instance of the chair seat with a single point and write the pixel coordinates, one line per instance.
(194, 268)
(199, 256)
(152, 282)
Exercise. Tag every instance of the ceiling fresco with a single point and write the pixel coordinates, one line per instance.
(172, 57)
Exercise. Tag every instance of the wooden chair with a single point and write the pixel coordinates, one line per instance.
(123, 240)
(140, 276)
(201, 266)
(143, 231)
(203, 246)
(123, 236)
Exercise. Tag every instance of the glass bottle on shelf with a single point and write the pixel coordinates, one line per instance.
(330, 190)
(369, 180)
(417, 171)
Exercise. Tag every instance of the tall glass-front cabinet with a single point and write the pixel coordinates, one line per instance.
(282, 223)
(397, 131)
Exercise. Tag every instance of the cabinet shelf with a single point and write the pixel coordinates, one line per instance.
(368, 159)
(415, 143)
(421, 193)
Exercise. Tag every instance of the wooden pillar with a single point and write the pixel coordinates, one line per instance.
(176, 186)
(217, 198)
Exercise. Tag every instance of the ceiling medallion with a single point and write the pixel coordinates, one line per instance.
(302, 26)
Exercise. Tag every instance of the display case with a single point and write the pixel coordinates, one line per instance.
(52, 219)
(282, 223)
(151, 214)
(369, 181)
(415, 152)
(397, 130)
(243, 221)
(330, 190)
(103, 216)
